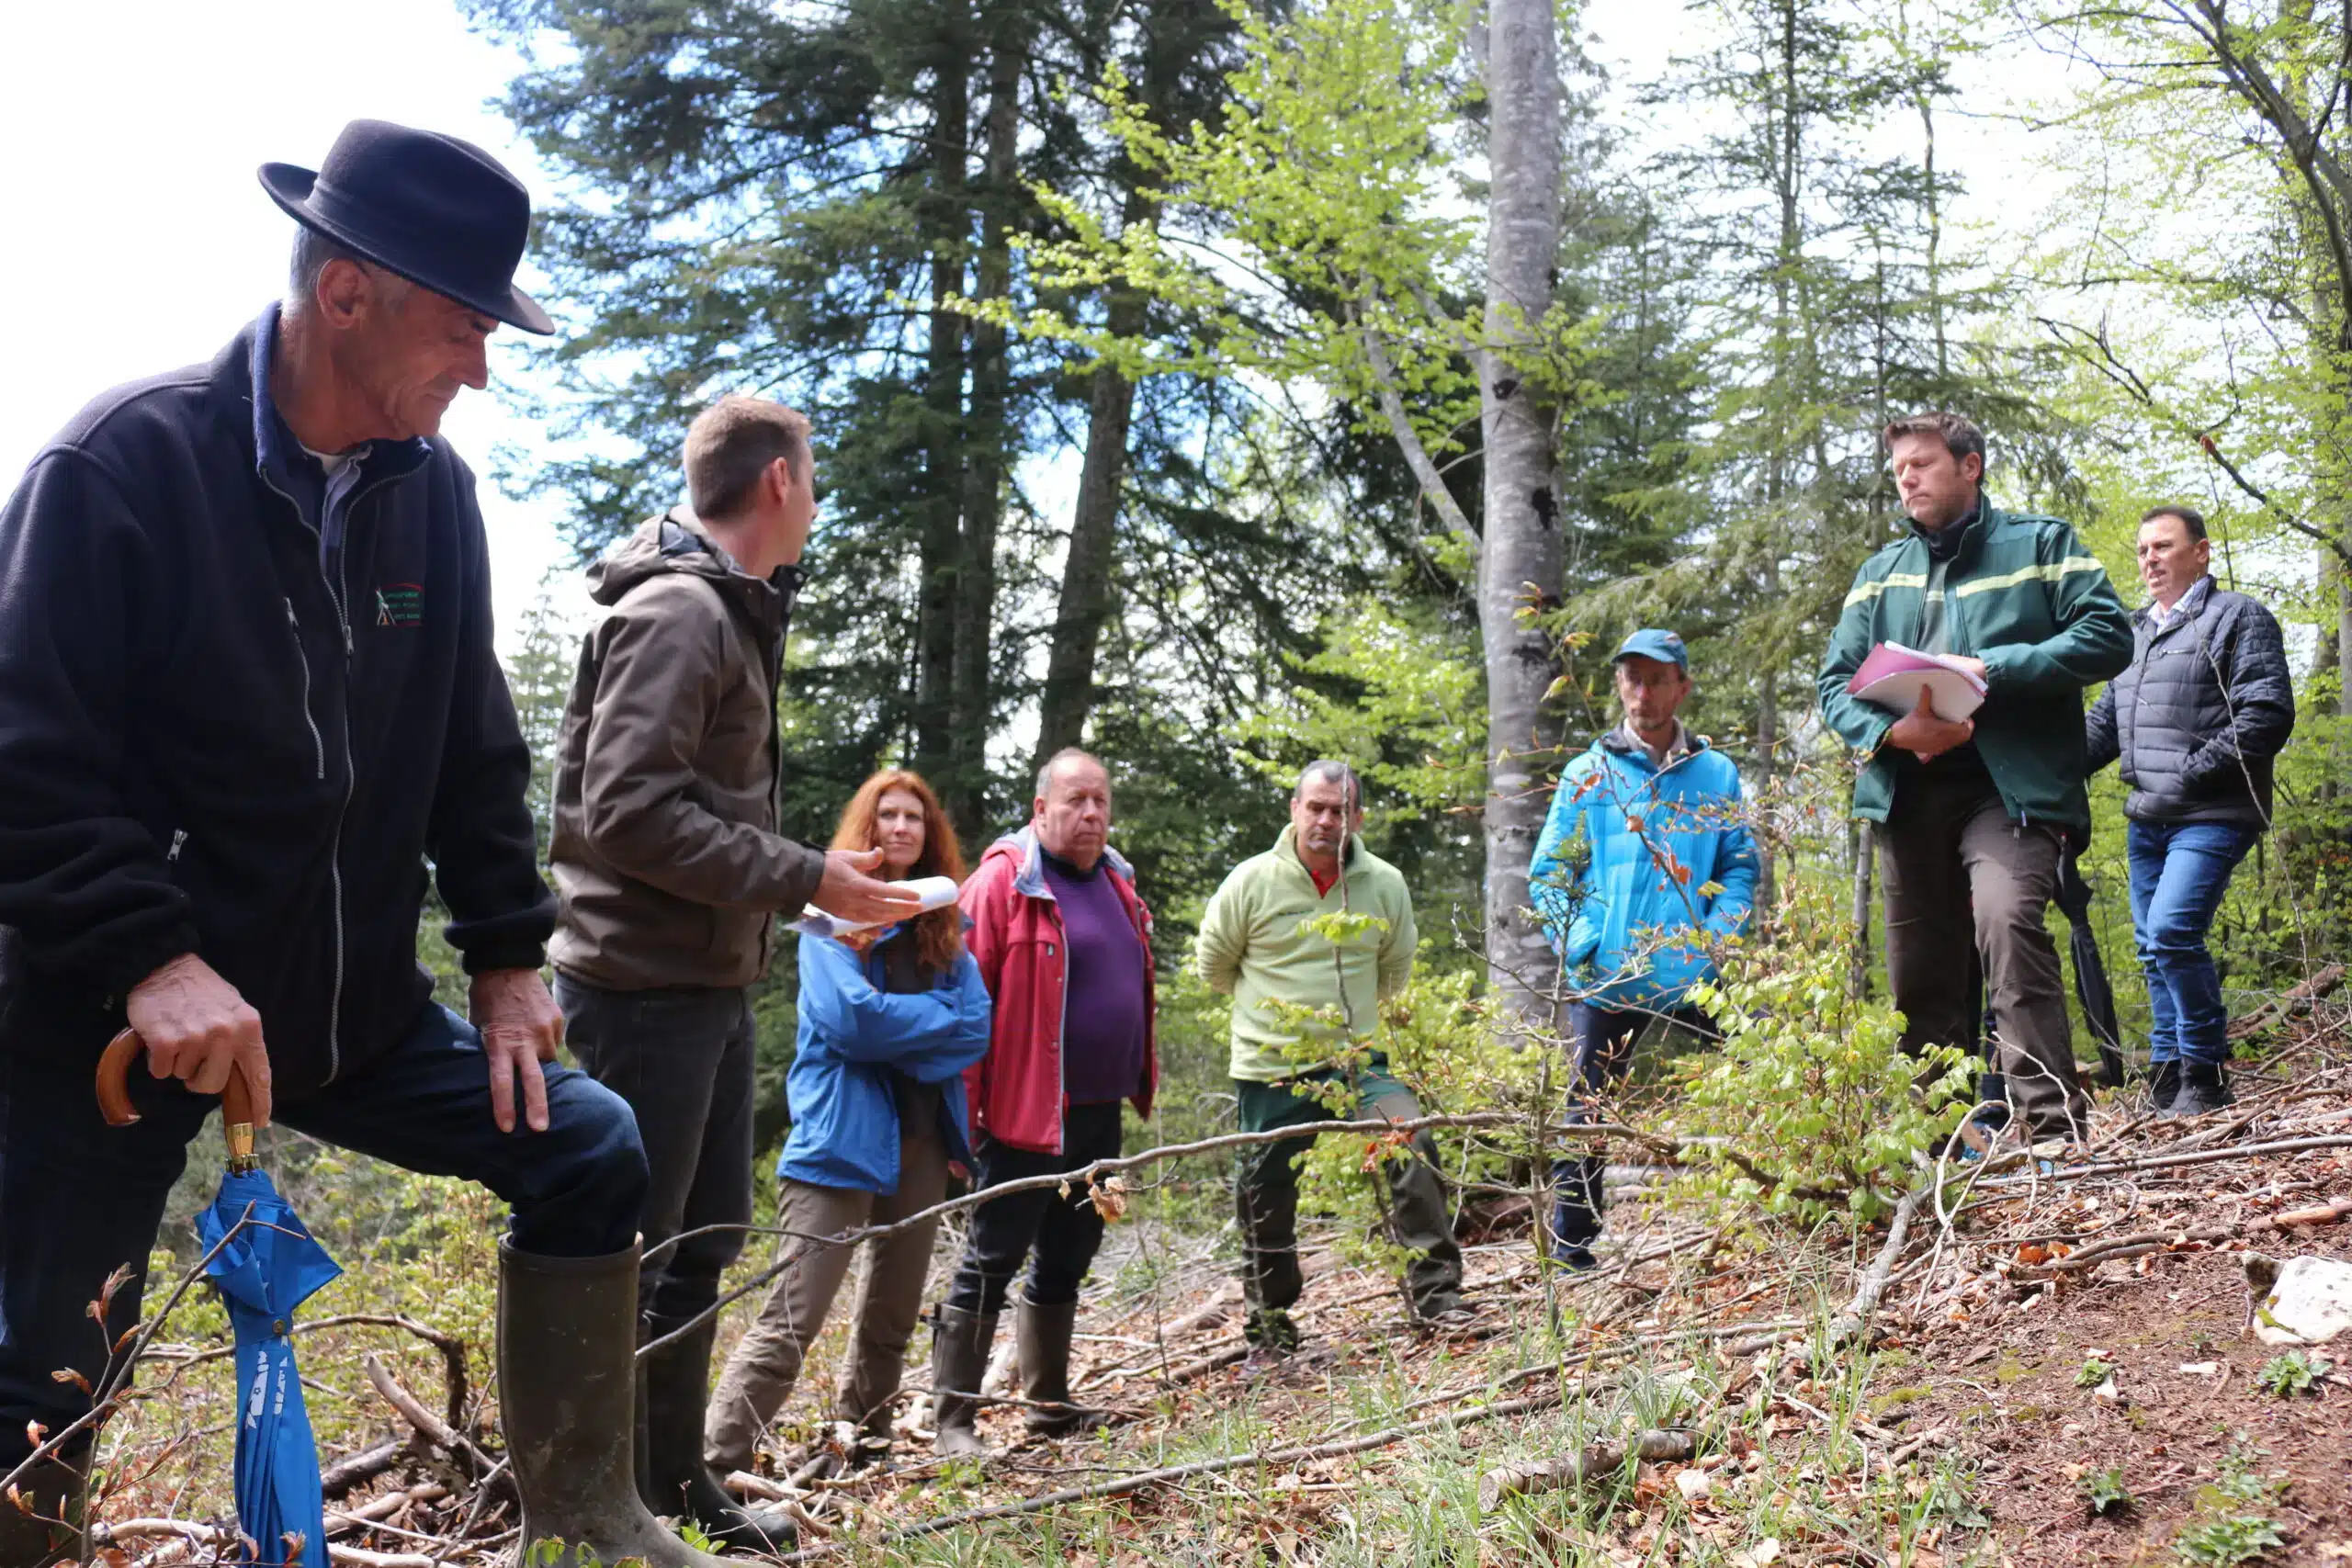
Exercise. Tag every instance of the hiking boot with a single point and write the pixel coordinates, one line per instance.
(1451, 1317)
(2204, 1088)
(677, 1481)
(1273, 1339)
(2163, 1083)
(959, 1360)
(567, 1397)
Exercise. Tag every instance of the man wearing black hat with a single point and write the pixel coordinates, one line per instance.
(247, 694)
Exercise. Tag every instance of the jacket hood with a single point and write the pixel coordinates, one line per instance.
(1614, 742)
(659, 544)
(1029, 866)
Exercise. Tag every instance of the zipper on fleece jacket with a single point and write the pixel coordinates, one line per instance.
(336, 596)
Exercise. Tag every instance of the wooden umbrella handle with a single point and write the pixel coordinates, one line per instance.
(114, 1095)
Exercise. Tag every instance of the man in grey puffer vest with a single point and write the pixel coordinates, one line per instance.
(2206, 705)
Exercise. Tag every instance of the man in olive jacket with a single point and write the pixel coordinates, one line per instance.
(1255, 945)
(1974, 816)
(669, 871)
(2206, 705)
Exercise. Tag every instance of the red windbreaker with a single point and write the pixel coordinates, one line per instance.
(1015, 1091)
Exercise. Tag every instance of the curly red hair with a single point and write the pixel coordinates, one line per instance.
(939, 933)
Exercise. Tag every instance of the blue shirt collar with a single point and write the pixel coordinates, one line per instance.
(275, 446)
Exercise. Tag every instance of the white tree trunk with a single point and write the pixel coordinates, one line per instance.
(1520, 558)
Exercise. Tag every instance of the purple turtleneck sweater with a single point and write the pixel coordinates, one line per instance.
(1102, 1007)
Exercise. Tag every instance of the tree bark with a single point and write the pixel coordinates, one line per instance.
(987, 436)
(1519, 560)
(1173, 34)
(946, 216)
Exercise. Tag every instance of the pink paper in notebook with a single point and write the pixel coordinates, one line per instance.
(1893, 677)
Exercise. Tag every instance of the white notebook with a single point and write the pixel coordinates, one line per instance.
(936, 892)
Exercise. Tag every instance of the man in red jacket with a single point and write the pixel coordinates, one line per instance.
(1065, 947)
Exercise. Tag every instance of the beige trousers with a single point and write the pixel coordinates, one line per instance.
(760, 1375)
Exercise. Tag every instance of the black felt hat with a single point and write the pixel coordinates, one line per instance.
(440, 211)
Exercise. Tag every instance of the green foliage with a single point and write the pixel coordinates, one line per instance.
(1437, 1043)
(2092, 1372)
(1810, 1110)
(2283, 1377)
(2104, 1490)
(2226, 1540)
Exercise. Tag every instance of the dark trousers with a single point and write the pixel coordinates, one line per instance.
(1265, 1190)
(1957, 871)
(1056, 1235)
(2179, 871)
(79, 1199)
(1604, 1042)
(682, 1058)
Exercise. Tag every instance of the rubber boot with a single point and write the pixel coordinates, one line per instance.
(53, 1488)
(1042, 1335)
(2163, 1084)
(677, 1381)
(567, 1396)
(959, 1360)
(2203, 1088)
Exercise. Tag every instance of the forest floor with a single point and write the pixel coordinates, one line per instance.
(1952, 1396)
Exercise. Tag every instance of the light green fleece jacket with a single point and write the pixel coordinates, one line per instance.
(1251, 947)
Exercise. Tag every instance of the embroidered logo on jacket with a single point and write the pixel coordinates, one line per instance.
(400, 604)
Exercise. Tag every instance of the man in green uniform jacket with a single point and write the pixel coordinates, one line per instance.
(1974, 816)
(1253, 945)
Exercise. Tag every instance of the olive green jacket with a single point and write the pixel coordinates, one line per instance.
(2026, 596)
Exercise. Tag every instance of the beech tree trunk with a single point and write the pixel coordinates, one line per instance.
(1520, 558)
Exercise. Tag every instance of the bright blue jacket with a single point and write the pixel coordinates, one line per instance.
(857, 1037)
(1690, 863)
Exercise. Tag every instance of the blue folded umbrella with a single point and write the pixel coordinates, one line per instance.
(269, 1267)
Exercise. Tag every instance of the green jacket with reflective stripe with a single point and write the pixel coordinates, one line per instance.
(2024, 596)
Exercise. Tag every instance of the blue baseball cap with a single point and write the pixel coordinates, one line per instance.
(1654, 642)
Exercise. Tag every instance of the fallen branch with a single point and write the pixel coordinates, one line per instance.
(347, 1474)
(2165, 1162)
(208, 1535)
(1089, 1176)
(452, 1348)
(1595, 1462)
(478, 1466)
(2140, 1243)
(2294, 999)
(1138, 1481)
(1873, 1284)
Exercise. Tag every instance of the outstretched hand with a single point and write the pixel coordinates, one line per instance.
(520, 1027)
(1926, 736)
(197, 1027)
(847, 893)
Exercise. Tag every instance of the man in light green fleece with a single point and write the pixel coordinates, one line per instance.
(1293, 988)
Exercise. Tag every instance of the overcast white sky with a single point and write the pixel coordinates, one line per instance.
(138, 240)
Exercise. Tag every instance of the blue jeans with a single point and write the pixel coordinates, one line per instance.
(1605, 1038)
(2179, 871)
(79, 1199)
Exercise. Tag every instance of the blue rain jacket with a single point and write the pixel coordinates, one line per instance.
(1638, 892)
(857, 1040)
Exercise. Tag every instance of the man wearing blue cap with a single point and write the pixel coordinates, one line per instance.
(1644, 868)
(249, 702)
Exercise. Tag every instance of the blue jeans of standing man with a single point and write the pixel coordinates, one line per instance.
(2179, 871)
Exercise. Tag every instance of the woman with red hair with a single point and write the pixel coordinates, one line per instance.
(889, 1019)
